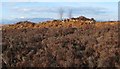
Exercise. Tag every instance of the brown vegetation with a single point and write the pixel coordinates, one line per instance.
(59, 44)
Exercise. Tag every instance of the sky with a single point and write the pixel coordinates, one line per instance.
(59, 0)
(98, 10)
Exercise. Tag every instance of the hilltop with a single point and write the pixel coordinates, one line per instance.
(77, 22)
(73, 22)
(75, 42)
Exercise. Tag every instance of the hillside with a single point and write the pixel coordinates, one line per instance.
(73, 22)
(75, 42)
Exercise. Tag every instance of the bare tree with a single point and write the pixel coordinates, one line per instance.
(61, 13)
(70, 13)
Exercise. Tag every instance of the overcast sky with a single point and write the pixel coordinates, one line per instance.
(98, 10)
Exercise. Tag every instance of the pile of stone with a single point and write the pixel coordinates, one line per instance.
(80, 19)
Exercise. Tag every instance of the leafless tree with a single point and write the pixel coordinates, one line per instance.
(61, 13)
(70, 13)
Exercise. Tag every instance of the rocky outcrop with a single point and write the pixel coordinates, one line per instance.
(81, 19)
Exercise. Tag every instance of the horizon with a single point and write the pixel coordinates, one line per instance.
(104, 11)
